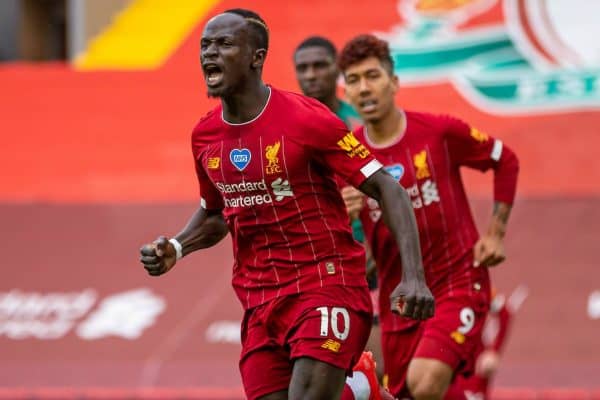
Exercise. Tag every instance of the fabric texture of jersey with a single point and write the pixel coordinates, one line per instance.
(273, 179)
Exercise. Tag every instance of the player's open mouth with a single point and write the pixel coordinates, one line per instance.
(213, 74)
(368, 106)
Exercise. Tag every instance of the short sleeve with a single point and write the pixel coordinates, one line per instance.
(470, 147)
(210, 198)
(332, 144)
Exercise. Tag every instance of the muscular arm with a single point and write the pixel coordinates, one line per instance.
(204, 229)
(399, 217)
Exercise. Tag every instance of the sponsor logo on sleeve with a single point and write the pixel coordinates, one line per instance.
(240, 158)
(350, 144)
(479, 136)
(271, 154)
(420, 161)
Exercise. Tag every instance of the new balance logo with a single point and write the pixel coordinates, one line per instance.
(332, 345)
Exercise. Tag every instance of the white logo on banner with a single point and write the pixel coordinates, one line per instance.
(125, 314)
(594, 305)
(49, 316)
(42, 316)
(223, 332)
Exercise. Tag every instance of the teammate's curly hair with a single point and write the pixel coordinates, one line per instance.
(363, 47)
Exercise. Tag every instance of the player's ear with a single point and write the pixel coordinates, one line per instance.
(258, 58)
(395, 82)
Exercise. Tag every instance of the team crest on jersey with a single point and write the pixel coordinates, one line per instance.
(420, 161)
(479, 136)
(240, 158)
(213, 162)
(395, 170)
(272, 156)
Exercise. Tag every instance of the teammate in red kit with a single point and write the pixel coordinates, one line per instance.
(493, 341)
(424, 152)
(266, 161)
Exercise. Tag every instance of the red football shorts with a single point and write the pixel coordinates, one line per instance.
(330, 325)
(452, 336)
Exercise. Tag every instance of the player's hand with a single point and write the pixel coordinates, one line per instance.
(413, 299)
(487, 363)
(354, 200)
(158, 257)
(488, 251)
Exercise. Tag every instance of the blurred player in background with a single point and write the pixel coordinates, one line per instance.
(424, 152)
(493, 341)
(315, 62)
(266, 161)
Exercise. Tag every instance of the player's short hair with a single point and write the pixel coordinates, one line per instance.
(363, 47)
(258, 26)
(318, 41)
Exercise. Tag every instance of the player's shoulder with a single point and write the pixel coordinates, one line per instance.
(301, 106)
(359, 132)
(433, 123)
(207, 126)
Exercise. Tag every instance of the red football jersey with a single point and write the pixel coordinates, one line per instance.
(273, 177)
(426, 161)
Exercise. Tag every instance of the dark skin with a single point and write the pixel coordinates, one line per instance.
(232, 65)
(317, 73)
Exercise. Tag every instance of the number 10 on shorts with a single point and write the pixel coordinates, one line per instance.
(326, 321)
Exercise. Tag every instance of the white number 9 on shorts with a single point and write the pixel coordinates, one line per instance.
(467, 319)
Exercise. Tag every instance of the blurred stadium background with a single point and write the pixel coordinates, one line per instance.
(98, 98)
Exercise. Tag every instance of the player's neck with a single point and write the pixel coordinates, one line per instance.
(247, 104)
(388, 130)
(332, 102)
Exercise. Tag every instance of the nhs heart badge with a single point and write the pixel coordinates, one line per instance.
(240, 158)
(395, 170)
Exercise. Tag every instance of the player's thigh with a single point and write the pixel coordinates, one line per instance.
(265, 366)
(451, 337)
(266, 374)
(374, 346)
(316, 380)
(428, 378)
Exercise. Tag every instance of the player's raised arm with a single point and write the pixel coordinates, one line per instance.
(398, 215)
(475, 149)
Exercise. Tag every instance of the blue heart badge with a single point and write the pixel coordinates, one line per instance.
(395, 170)
(240, 158)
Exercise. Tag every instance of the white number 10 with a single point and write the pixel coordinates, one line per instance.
(335, 312)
